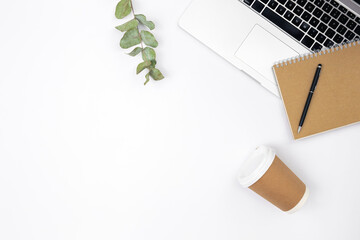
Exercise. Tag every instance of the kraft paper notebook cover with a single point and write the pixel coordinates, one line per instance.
(336, 101)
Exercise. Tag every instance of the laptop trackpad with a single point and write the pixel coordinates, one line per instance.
(260, 50)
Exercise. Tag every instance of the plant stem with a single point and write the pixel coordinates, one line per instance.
(133, 12)
(141, 42)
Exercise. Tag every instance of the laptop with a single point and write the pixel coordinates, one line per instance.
(254, 34)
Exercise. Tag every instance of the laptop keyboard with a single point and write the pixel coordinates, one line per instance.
(313, 23)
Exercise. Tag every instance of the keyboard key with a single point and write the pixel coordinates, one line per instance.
(341, 29)
(306, 16)
(258, 6)
(342, 9)
(272, 4)
(327, 7)
(296, 21)
(312, 32)
(328, 43)
(298, 10)
(322, 27)
(304, 26)
(351, 24)
(309, 7)
(282, 1)
(265, 1)
(350, 15)
(320, 38)
(338, 38)
(316, 47)
(357, 20)
(334, 3)
(290, 5)
(329, 33)
(349, 35)
(317, 12)
(343, 19)
(282, 23)
(314, 21)
(333, 24)
(335, 13)
(307, 41)
(319, 3)
(280, 10)
(357, 30)
(301, 2)
(288, 15)
(325, 18)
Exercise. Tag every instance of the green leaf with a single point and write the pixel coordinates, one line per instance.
(130, 38)
(149, 39)
(135, 52)
(128, 25)
(148, 54)
(156, 74)
(123, 8)
(153, 63)
(147, 77)
(142, 66)
(142, 20)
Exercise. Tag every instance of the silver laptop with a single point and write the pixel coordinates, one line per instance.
(254, 34)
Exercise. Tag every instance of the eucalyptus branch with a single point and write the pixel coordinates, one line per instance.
(134, 36)
(133, 13)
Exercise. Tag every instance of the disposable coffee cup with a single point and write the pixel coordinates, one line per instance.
(264, 173)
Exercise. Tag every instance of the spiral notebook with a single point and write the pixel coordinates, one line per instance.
(336, 101)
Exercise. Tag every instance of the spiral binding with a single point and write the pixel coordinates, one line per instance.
(320, 52)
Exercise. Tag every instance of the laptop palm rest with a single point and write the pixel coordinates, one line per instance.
(260, 49)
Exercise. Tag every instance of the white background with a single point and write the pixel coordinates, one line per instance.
(88, 152)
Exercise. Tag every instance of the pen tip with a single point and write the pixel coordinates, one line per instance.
(319, 66)
(299, 129)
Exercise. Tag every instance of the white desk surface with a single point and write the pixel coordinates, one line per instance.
(88, 152)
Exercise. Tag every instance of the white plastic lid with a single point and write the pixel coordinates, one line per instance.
(255, 166)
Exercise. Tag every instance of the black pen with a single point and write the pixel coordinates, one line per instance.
(308, 100)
